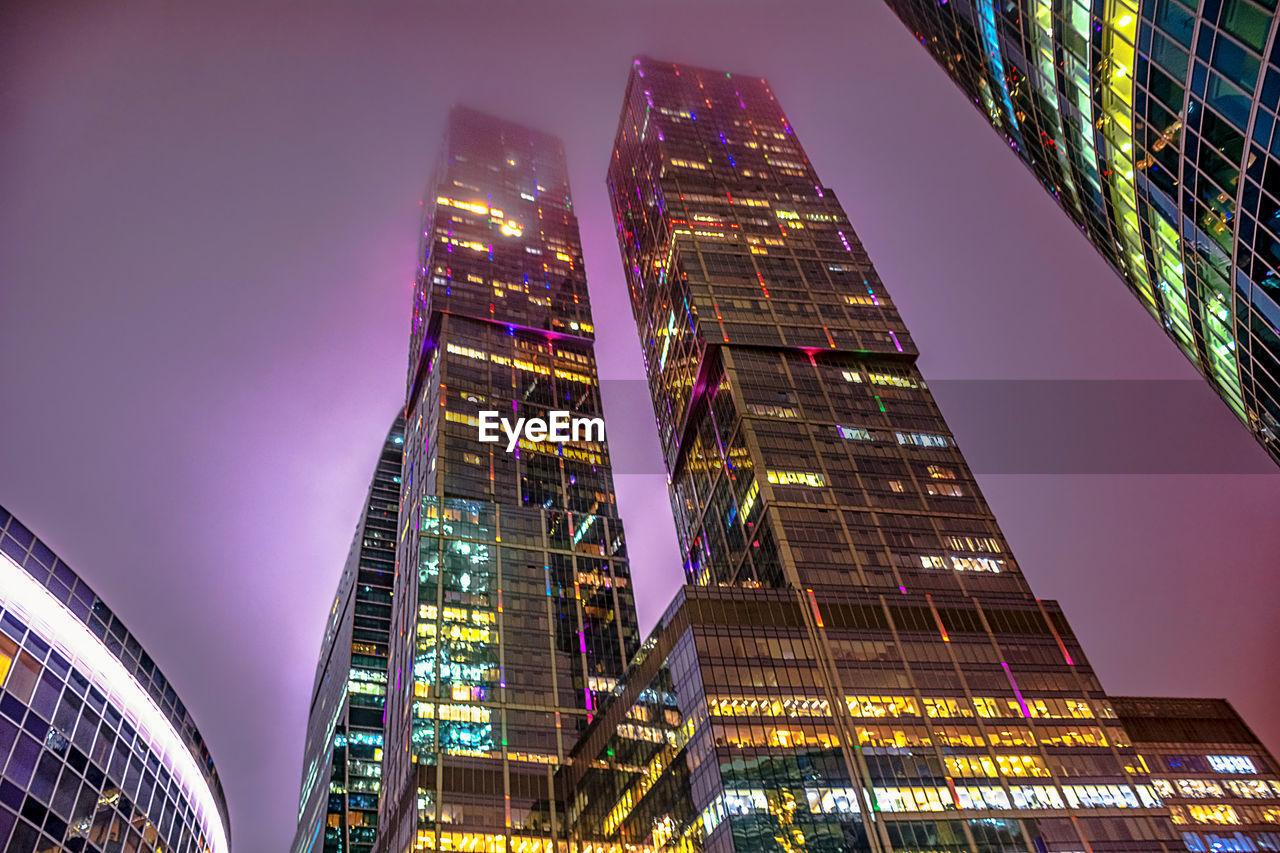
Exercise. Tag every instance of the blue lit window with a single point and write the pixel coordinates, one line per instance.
(1231, 764)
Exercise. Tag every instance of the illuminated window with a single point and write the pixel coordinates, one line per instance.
(882, 706)
(364, 687)
(895, 381)
(1198, 788)
(1231, 763)
(1251, 789)
(1217, 813)
(921, 439)
(772, 411)
(969, 543)
(467, 352)
(8, 651)
(913, 799)
(796, 478)
(939, 707)
(472, 207)
(976, 564)
(459, 418)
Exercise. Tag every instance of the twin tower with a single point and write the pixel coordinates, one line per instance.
(856, 661)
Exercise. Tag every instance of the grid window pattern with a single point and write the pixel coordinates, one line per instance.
(76, 770)
(857, 651)
(513, 614)
(1221, 785)
(758, 719)
(1153, 124)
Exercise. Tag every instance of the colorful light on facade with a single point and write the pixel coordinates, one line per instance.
(58, 626)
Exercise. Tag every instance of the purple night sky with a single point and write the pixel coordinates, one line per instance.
(207, 219)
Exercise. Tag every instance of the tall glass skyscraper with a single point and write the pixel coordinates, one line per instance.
(857, 662)
(341, 764)
(513, 609)
(1153, 124)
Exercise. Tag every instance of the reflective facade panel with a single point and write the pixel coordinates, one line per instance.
(1153, 124)
(798, 720)
(1221, 785)
(342, 761)
(857, 662)
(513, 610)
(97, 752)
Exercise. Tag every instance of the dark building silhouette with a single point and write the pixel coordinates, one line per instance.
(341, 764)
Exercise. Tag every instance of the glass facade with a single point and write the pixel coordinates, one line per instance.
(1221, 785)
(1153, 124)
(513, 613)
(342, 761)
(97, 752)
(798, 720)
(857, 661)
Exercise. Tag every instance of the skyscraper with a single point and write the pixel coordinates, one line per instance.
(857, 662)
(1220, 783)
(97, 751)
(1154, 127)
(341, 764)
(513, 609)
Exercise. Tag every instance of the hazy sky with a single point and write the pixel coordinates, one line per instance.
(207, 219)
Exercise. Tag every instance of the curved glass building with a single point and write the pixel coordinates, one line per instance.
(97, 752)
(1153, 123)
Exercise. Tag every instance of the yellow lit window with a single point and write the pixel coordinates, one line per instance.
(896, 381)
(467, 352)
(796, 478)
(1223, 814)
(8, 651)
(473, 207)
